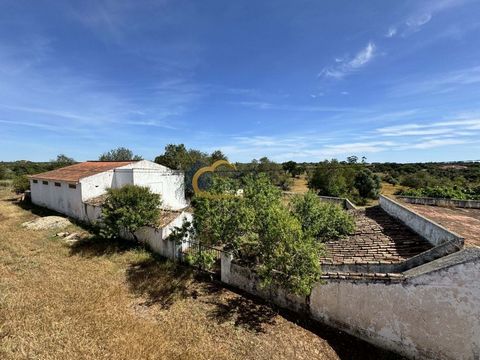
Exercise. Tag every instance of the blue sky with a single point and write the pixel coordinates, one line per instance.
(302, 80)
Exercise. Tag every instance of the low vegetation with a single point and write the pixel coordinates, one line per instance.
(444, 192)
(352, 180)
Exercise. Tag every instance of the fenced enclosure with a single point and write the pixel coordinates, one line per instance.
(202, 257)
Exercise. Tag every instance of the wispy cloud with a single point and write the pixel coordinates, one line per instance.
(295, 108)
(438, 83)
(347, 66)
(392, 31)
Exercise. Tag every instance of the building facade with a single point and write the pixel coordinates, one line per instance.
(68, 190)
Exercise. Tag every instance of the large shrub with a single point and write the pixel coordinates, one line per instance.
(20, 184)
(320, 219)
(129, 208)
(259, 229)
(367, 184)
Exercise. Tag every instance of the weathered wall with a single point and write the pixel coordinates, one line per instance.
(433, 314)
(96, 185)
(58, 198)
(343, 202)
(245, 279)
(156, 238)
(469, 204)
(428, 229)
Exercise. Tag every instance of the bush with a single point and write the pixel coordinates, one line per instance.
(320, 219)
(368, 184)
(128, 209)
(442, 192)
(21, 184)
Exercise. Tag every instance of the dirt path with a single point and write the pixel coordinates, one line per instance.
(107, 300)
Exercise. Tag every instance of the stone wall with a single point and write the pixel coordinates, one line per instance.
(430, 312)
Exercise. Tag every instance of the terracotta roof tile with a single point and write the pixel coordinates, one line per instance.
(74, 173)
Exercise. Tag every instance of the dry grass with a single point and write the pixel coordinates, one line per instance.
(109, 300)
(300, 184)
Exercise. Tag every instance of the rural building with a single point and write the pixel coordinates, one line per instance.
(70, 190)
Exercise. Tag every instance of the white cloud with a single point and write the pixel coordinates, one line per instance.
(347, 66)
(392, 31)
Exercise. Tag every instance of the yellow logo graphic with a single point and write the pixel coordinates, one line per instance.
(206, 169)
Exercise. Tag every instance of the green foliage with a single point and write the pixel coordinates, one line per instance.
(293, 168)
(330, 179)
(129, 208)
(347, 179)
(319, 219)
(178, 157)
(3, 172)
(444, 192)
(119, 154)
(368, 184)
(21, 184)
(203, 259)
(63, 160)
(260, 230)
(390, 179)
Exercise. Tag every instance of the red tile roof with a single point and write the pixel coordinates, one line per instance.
(74, 173)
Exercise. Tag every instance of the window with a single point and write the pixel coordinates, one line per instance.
(58, 184)
(35, 181)
(72, 186)
(45, 182)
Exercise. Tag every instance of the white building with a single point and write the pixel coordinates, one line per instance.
(71, 190)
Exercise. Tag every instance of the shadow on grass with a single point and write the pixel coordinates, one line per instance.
(99, 246)
(244, 312)
(160, 282)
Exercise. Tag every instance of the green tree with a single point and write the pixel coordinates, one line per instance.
(218, 155)
(129, 208)
(119, 154)
(21, 184)
(259, 229)
(319, 219)
(63, 160)
(329, 178)
(368, 184)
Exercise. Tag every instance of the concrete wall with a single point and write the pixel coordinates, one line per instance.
(343, 202)
(433, 314)
(96, 185)
(428, 229)
(61, 198)
(468, 204)
(156, 238)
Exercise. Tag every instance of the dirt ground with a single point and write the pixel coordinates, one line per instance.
(113, 300)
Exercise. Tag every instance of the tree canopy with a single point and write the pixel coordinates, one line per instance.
(119, 154)
(129, 208)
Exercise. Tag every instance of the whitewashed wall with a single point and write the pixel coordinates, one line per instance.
(433, 314)
(58, 198)
(156, 238)
(96, 185)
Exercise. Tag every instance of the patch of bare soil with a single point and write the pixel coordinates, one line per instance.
(47, 222)
(101, 299)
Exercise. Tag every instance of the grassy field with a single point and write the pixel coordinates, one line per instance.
(113, 300)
